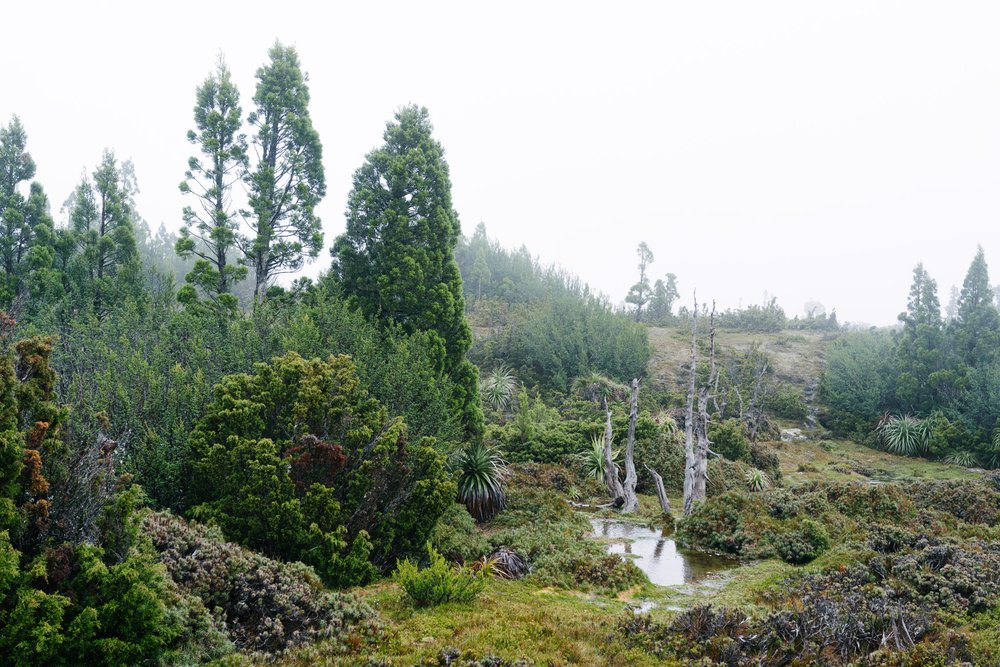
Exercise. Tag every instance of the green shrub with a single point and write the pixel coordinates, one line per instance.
(764, 458)
(970, 501)
(729, 439)
(786, 402)
(610, 573)
(439, 582)
(456, 537)
(664, 453)
(803, 544)
(717, 524)
(725, 475)
(298, 461)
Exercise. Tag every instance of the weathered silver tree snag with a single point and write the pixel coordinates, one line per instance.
(689, 462)
(610, 469)
(631, 501)
(696, 442)
(661, 491)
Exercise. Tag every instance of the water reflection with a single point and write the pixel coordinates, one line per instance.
(657, 554)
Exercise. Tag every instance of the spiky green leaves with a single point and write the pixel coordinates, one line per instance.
(756, 480)
(498, 387)
(482, 472)
(905, 435)
(592, 458)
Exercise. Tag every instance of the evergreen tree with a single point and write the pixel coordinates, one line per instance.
(16, 224)
(479, 246)
(287, 181)
(396, 260)
(920, 353)
(106, 265)
(210, 225)
(638, 295)
(661, 303)
(976, 328)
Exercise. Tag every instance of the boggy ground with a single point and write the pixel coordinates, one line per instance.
(906, 572)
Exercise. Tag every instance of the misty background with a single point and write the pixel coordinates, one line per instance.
(807, 152)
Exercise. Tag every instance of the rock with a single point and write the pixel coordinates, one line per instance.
(792, 435)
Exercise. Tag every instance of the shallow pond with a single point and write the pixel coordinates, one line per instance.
(657, 554)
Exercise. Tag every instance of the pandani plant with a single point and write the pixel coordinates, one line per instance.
(481, 474)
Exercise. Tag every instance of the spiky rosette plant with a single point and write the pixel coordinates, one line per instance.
(592, 458)
(905, 435)
(508, 564)
(992, 455)
(482, 472)
(498, 387)
(756, 480)
(963, 458)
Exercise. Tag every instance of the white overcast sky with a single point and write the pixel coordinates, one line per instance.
(804, 149)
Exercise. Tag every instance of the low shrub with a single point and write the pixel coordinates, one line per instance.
(764, 458)
(267, 606)
(729, 439)
(786, 402)
(802, 544)
(725, 475)
(456, 537)
(610, 573)
(717, 524)
(439, 582)
(971, 501)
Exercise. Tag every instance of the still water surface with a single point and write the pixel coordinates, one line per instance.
(657, 554)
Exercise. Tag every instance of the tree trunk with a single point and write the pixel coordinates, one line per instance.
(696, 428)
(610, 469)
(631, 503)
(701, 423)
(661, 491)
(689, 464)
(701, 449)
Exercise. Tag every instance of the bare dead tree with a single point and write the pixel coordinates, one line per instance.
(610, 469)
(689, 458)
(661, 491)
(757, 399)
(702, 450)
(696, 442)
(631, 501)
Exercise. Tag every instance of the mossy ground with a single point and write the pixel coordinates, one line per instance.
(842, 460)
(553, 626)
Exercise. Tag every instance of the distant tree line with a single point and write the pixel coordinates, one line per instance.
(542, 321)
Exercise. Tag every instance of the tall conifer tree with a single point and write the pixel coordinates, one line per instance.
(396, 260)
(977, 324)
(211, 224)
(287, 180)
(920, 353)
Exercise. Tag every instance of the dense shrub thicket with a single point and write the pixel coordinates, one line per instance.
(297, 461)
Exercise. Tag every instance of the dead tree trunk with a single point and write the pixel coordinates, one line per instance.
(661, 491)
(610, 469)
(689, 463)
(701, 421)
(631, 503)
(696, 445)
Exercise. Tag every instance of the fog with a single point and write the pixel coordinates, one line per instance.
(806, 150)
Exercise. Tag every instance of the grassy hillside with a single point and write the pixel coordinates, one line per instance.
(797, 355)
